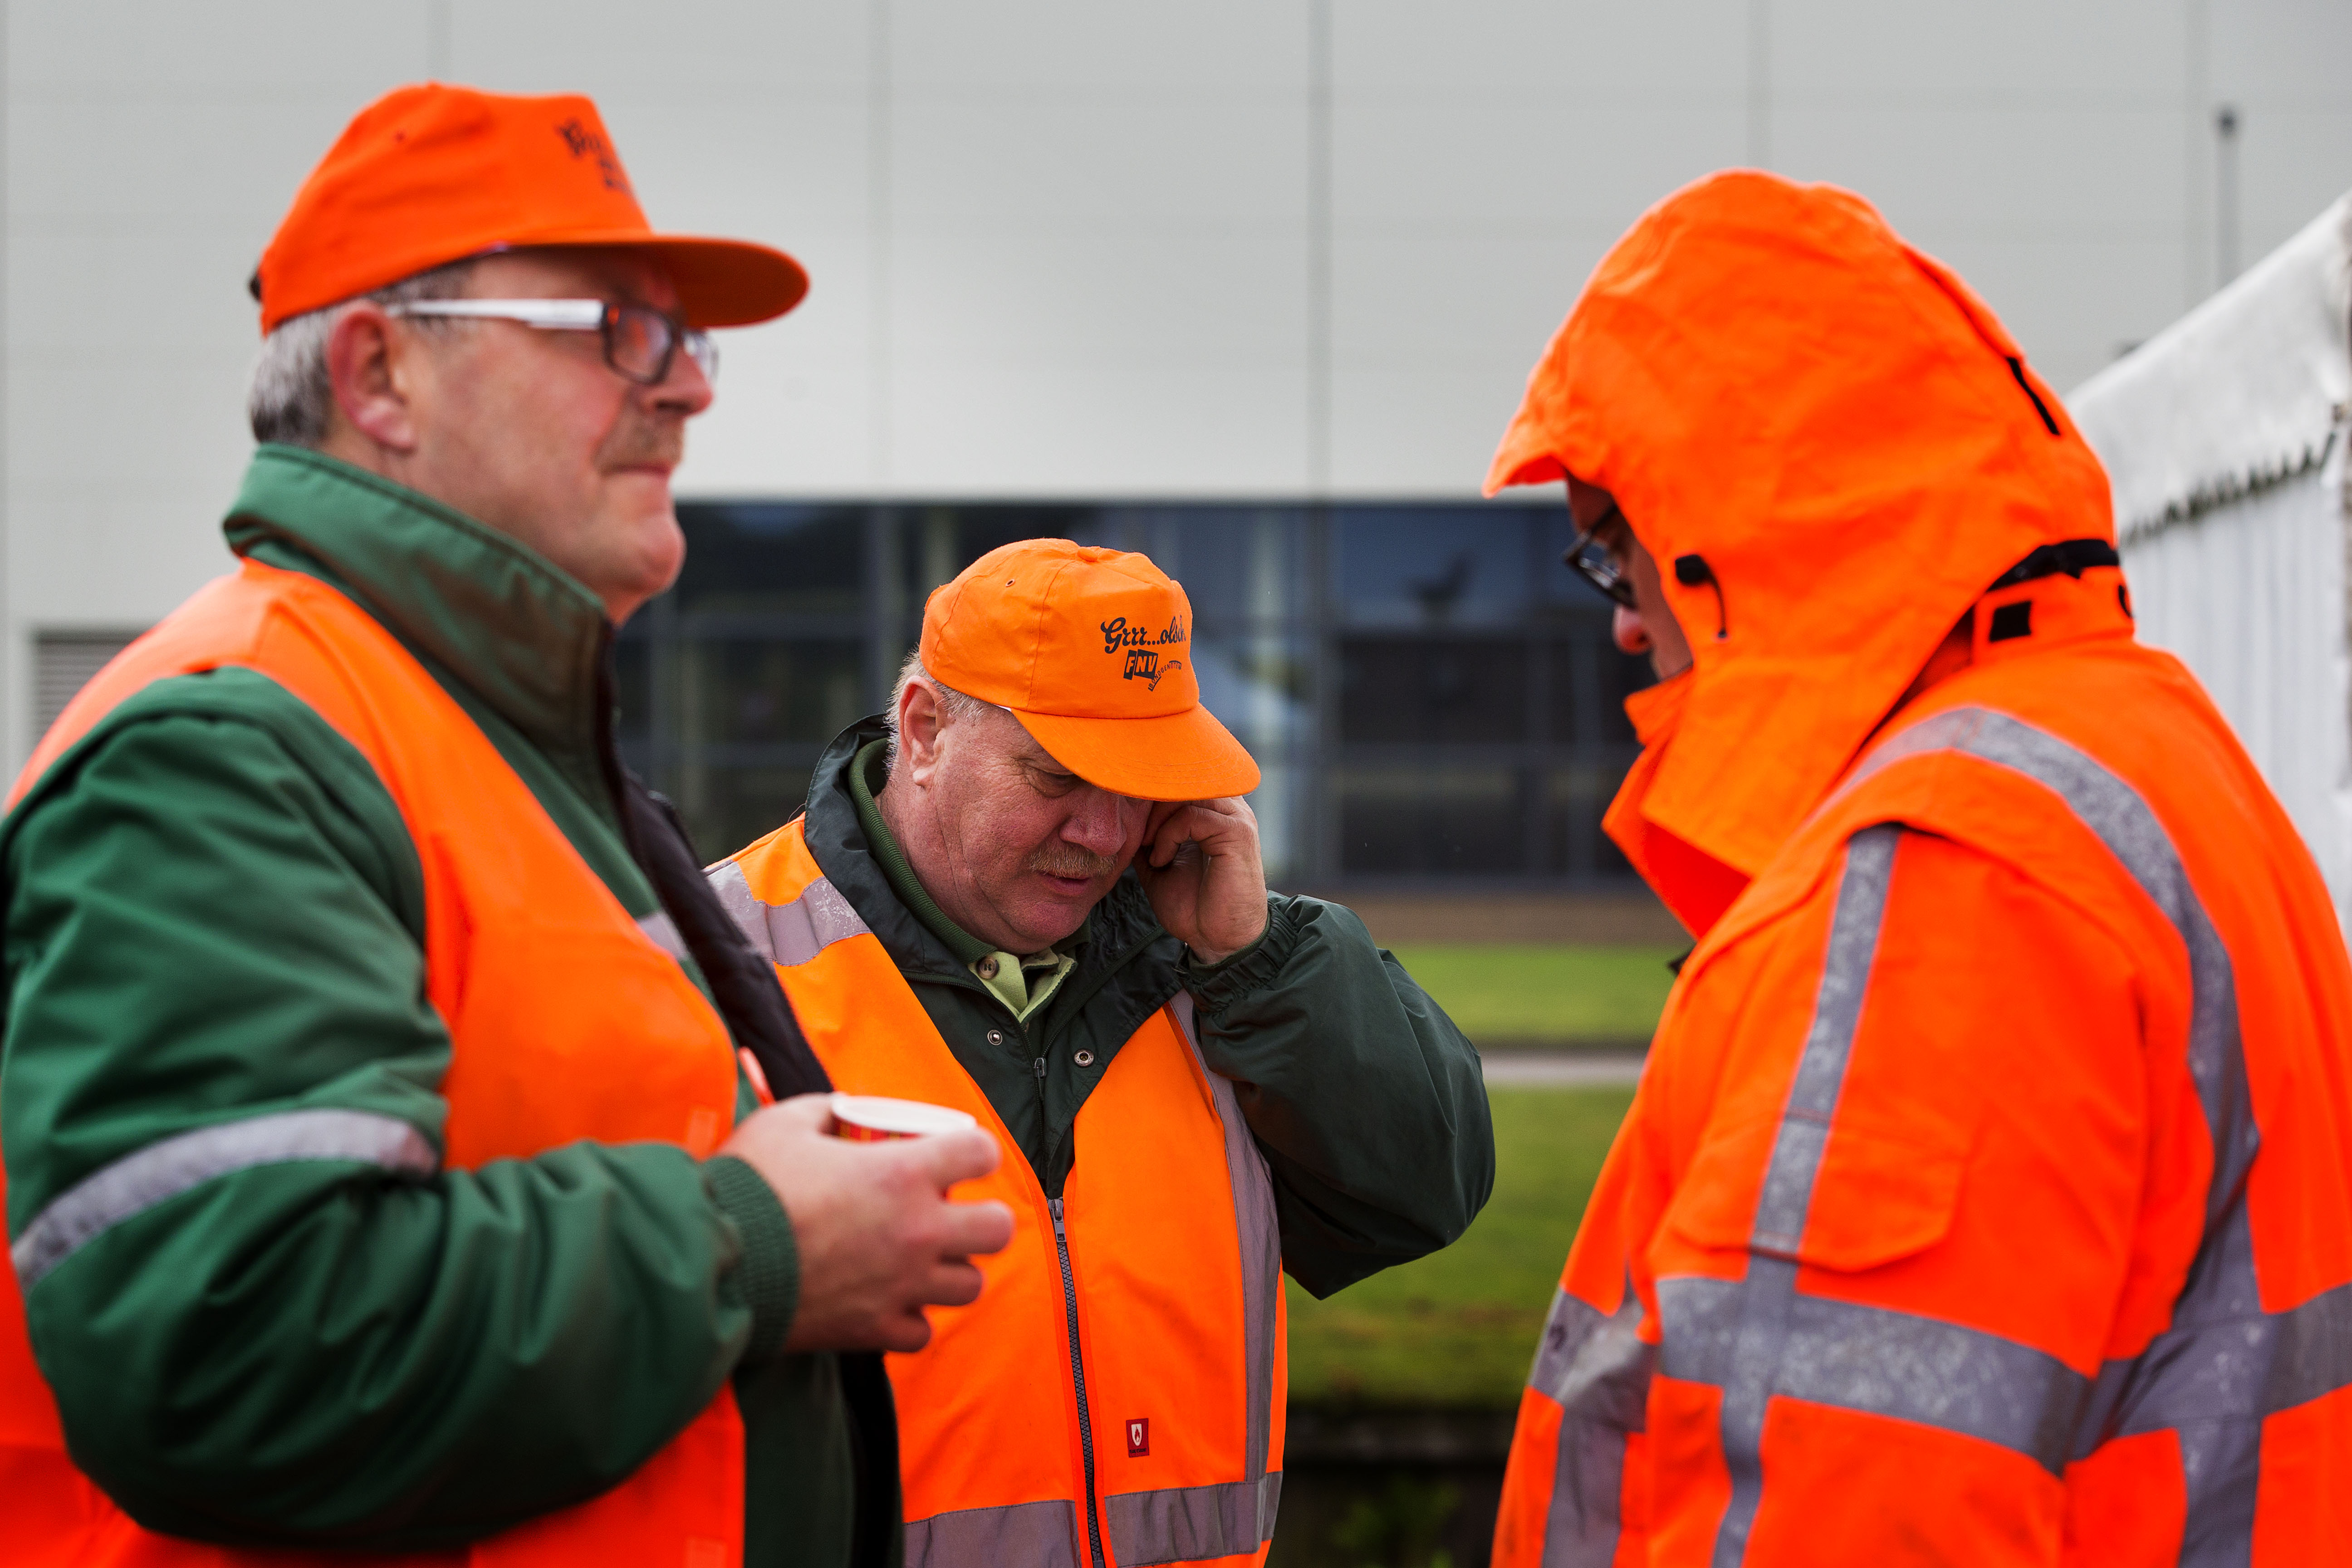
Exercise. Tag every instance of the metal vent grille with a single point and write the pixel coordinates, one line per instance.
(63, 663)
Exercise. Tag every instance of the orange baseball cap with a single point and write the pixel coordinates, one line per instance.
(1092, 650)
(431, 175)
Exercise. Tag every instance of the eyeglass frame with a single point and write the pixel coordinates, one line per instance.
(580, 316)
(1603, 574)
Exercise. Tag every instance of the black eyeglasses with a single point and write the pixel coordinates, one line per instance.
(640, 342)
(1596, 566)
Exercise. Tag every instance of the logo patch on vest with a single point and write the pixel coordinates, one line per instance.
(1138, 1438)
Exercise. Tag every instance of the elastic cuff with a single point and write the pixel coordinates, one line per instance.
(769, 1272)
(1215, 986)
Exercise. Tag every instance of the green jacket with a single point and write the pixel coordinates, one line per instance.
(1368, 1102)
(214, 912)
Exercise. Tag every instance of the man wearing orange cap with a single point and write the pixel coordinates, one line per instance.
(1032, 891)
(373, 1041)
(1985, 1199)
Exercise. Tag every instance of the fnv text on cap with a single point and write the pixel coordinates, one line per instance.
(430, 174)
(1092, 650)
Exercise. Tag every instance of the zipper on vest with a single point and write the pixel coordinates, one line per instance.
(1079, 1376)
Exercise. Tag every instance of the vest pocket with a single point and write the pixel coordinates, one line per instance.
(1867, 1197)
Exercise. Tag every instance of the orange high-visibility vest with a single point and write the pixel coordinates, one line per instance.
(2065, 1278)
(1116, 1395)
(566, 1021)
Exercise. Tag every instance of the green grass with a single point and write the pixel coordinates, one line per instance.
(1539, 993)
(1458, 1328)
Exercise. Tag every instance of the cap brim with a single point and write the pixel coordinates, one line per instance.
(721, 282)
(1182, 756)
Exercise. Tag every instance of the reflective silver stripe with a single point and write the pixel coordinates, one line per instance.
(1885, 1362)
(1044, 1533)
(1597, 1370)
(2225, 1364)
(1190, 1524)
(1163, 1526)
(137, 1183)
(1761, 1335)
(663, 932)
(790, 933)
(2123, 821)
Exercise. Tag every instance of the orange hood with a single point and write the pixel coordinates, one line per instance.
(1765, 375)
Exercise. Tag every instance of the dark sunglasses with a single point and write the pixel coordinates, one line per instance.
(1592, 562)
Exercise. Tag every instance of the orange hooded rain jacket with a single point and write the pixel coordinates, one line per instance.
(1987, 1196)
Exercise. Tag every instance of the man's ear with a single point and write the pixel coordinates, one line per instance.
(370, 378)
(920, 723)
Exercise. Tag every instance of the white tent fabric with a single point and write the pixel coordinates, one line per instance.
(2224, 441)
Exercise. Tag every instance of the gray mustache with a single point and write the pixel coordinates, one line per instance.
(1069, 861)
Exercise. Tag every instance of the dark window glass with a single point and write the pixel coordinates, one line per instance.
(1429, 692)
(745, 692)
(1574, 801)
(1589, 682)
(1435, 567)
(1433, 691)
(1243, 567)
(1620, 675)
(1432, 822)
(725, 808)
(772, 559)
(1261, 686)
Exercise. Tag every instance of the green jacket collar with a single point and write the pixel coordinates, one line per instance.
(517, 629)
(867, 769)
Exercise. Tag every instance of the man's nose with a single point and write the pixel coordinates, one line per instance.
(686, 389)
(1626, 627)
(1099, 821)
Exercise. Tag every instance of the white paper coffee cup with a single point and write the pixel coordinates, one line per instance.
(877, 1119)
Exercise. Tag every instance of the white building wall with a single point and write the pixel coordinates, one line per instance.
(1092, 247)
(2251, 598)
(2224, 439)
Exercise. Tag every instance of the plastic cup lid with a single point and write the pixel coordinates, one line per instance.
(908, 1118)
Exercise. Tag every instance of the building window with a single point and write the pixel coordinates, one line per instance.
(1431, 696)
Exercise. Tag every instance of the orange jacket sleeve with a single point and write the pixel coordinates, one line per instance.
(1873, 1278)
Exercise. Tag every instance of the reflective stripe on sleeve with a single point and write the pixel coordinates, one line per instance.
(163, 1171)
(1760, 1333)
(790, 933)
(1883, 1362)
(1596, 1369)
(1044, 1533)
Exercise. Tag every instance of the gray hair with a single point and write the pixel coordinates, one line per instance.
(293, 400)
(953, 704)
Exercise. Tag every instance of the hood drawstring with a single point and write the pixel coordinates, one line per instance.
(1691, 572)
(2017, 369)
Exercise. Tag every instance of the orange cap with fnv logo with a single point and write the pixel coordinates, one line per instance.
(1092, 650)
(431, 175)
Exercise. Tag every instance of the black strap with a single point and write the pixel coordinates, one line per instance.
(2072, 556)
(2017, 369)
(742, 983)
(760, 1017)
